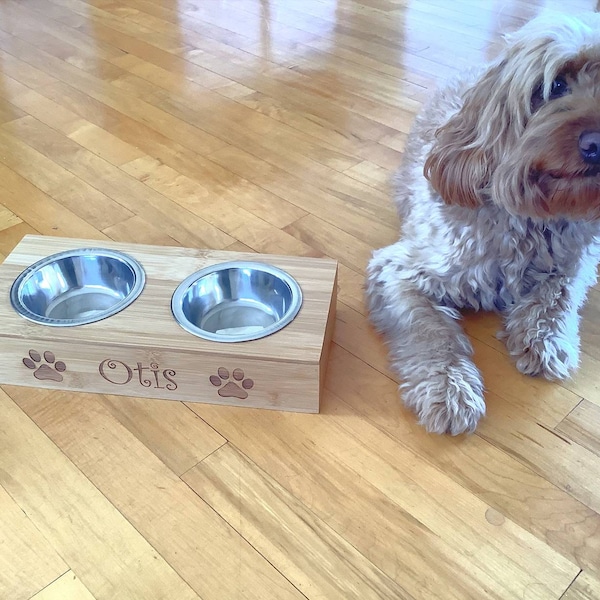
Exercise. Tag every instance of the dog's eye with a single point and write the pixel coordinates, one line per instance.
(559, 88)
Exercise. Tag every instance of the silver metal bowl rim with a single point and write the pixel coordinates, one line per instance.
(184, 286)
(21, 280)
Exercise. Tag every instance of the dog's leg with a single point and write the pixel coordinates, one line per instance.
(542, 328)
(428, 349)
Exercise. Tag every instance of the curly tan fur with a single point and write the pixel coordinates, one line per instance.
(501, 211)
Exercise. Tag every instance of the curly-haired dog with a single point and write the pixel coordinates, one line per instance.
(499, 194)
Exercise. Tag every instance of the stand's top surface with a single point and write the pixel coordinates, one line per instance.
(149, 321)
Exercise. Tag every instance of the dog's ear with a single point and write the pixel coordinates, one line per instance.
(464, 154)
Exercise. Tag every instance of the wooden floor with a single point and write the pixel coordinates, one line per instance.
(272, 126)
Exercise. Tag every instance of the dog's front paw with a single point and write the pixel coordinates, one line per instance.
(543, 336)
(449, 400)
(553, 357)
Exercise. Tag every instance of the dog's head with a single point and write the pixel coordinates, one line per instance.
(528, 134)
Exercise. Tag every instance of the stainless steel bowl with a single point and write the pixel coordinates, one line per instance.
(236, 301)
(77, 287)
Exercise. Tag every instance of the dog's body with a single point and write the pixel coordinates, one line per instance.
(499, 195)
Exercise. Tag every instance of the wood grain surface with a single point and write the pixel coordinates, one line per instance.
(268, 127)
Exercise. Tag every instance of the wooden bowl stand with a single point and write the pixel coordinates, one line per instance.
(142, 351)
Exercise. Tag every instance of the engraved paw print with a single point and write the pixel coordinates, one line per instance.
(49, 370)
(231, 389)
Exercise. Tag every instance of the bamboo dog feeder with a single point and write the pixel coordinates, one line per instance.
(142, 349)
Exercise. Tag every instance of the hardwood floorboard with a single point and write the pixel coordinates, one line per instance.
(67, 587)
(305, 550)
(585, 587)
(102, 548)
(202, 548)
(28, 562)
(581, 424)
(271, 126)
(328, 489)
(180, 439)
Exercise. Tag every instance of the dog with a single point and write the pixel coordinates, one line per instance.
(499, 199)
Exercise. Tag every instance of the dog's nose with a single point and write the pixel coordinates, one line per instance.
(589, 147)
